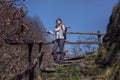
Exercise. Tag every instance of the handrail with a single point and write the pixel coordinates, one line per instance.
(88, 33)
(23, 42)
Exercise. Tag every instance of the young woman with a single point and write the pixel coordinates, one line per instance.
(59, 41)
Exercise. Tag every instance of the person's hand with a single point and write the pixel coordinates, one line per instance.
(67, 26)
(48, 32)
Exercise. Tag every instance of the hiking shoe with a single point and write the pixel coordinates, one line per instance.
(66, 40)
(60, 63)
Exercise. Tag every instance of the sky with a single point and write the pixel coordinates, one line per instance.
(80, 15)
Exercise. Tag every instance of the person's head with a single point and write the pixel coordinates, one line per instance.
(58, 22)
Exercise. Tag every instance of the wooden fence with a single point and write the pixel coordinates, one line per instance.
(40, 43)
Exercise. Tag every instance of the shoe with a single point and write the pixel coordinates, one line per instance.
(60, 64)
(66, 40)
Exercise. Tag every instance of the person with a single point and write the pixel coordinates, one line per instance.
(58, 33)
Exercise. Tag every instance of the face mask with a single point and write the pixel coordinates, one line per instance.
(58, 22)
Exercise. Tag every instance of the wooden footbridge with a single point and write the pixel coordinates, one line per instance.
(38, 59)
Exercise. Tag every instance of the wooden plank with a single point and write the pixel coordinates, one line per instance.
(49, 42)
(83, 42)
(67, 42)
(21, 42)
(28, 41)
(89, 33)
(74, 58)
(50, 70)
(99, 36)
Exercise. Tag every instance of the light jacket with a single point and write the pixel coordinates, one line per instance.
(59, 32)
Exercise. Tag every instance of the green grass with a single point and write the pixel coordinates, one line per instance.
(64, 79)
(88, 58)
(51, 75)
(37, 76)
(61, 69)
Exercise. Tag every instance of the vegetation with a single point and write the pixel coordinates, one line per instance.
(16, 61)
(17, 26)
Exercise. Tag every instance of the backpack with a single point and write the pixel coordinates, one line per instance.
(64, 33)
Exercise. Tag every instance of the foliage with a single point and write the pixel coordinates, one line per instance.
(61, 69)
(16, 25)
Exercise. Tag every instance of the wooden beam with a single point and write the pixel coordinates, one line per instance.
(48, 70)
(67, 42)
(21, 42)
(51, 42)
(89, 33)
(74, 58)
(82, 42)
(99, 36)
(24, 42)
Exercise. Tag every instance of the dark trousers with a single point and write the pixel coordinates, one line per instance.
(58, 43)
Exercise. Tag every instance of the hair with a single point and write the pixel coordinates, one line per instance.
(58, 24)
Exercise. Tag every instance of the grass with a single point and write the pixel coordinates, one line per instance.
(73, 70)
(51, 75)
(37, 76)
(88, 58)
(61, 69)
(64, 79)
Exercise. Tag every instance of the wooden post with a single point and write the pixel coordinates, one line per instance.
(99, 38)
(40, 46)
(30, 46)
(40, 55)
(31, 72)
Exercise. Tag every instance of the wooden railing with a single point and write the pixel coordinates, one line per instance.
(40, 43)
(27, 41)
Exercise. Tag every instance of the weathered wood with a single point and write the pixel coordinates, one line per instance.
(99, 36)
(21, 42)
(67, 42)
(28, 41)
(49, 42)
(74, 58)
(31, 71)
(48, 70)
(82, 42)
(88, 33)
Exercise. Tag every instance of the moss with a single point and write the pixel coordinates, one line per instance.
(104, 57)
(26, 78)
(115, 71)
(116, 59)
(64, 79)
(89, 58)
(111, 71)
(37, 76)
(61, 69)
(51, 75)
(75, 72)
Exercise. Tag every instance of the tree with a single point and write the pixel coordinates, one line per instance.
(16, 25)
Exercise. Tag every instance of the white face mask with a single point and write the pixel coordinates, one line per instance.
(58, 22)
